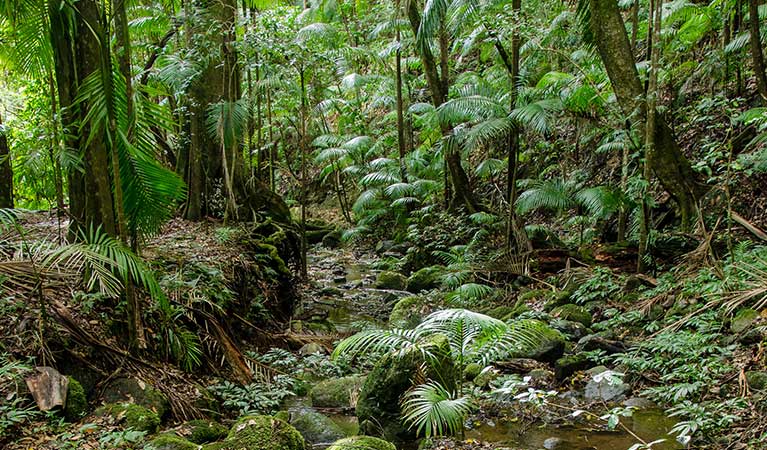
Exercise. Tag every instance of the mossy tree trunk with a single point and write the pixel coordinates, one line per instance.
(757, 56)
(6, 173)
(669, 164)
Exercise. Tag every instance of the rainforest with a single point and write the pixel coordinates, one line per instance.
(383, 225)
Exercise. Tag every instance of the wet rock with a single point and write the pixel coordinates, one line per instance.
(550, 345)
(424, 279)
(378, 407)
(263, 433)
(138, 392)
(362, 443)
(552, 443)
(337, 392)
(573, 313)
(568, 365)
(757, 379)
(391, 280)
(743, 320)
(604, 389)
(312, 348)
(408, 312)
(77, 403)
(598, 342)
(316, 428)
(639, 402)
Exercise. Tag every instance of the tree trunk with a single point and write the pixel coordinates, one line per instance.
(6, 173)
(757, 57)
(400, 112)
(669, 164)
(56, 148)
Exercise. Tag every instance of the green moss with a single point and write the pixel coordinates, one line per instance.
(424, 279)
(407, 312)
(743, 320)
(315, 427)
(391, 280)
(204, 431)
(535, 295)
(337, 392)
(471, 371)
(362, 443)
(573, 313)
(554, 299)
(77, 402)
(135, 416)
(548, 345)
(170, 441)
(262, 433)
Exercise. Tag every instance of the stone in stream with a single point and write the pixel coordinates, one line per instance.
(604, 389)
(315, 427)
(262, 433)
(408, 312)
(362, 443)
(391, 280)
(424, 279)
(337, 392)
(568, 365)
(378, 407)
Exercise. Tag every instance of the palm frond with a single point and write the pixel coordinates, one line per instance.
(434, 411)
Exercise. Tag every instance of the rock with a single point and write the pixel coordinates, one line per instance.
(332, 239)
(315, 427)
(362, 443)
(603, 389)
(138, 392)
(424, 279)
(757, 379)
(77, 403)
(337, 392)
(391, 280)
(568, 365)
(573, 313)
(540, 378)
(378, 407)
(598, 342)
(407, 312)
(135, 416)
(550, 345)
(555, 299)
(204, 431)
(573, 330)
(471, 371)
(635, 283)
(312, 348)
(743, 320)
(262, 433)
(639, 402)
(48, 387)
(483, 379)
(552, 443)
(170, 441)
(384, 246)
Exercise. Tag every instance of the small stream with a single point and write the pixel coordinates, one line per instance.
(343, 297)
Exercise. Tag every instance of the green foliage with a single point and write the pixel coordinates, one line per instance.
(15, 410)
(435, 411)
(255, 398)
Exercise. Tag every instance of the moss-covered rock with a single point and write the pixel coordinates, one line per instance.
(507, 312)
(573, 313)
(555, 299)
(533, 296)
(757, 379)
(332, 239)
(407, 312)
(424, 279)
(550, 343)
(391, 280)
(471, 371)
(378, 407)
(362, 443)
(316, 428)
(743, 320)
(138, 392)
(337, 392)
(204, 431)
(77, 403)
(170, 441)
(261, 432)
(568, 365)
(134, 416)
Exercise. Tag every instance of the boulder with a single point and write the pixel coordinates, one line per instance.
(757, 379)
(136, 391)
(568, 365)
(262, 433)
(332, 239)
(337, 392)
(573, 313)
(77, 403)
(408, 312)
(170, 441)
(550, 343)
(362, 443)
(603, 389)
(134, 416)
(572, 330)
(424, 279)
(743, 320)
(599, 341)
(391, 280)
(204, 431)
(312, 348)
(378, 407)
(315, 427)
